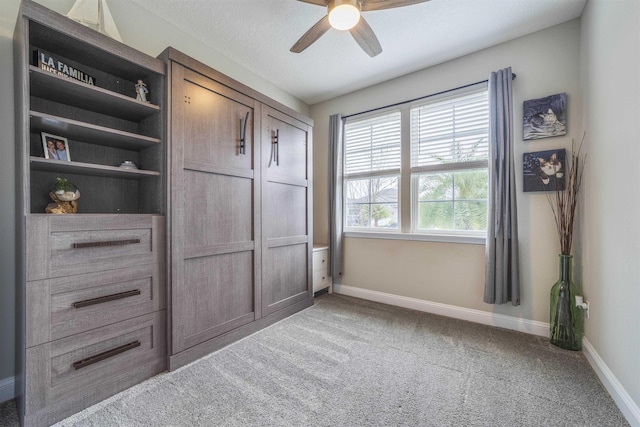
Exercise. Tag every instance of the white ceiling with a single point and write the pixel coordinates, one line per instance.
(258, 34)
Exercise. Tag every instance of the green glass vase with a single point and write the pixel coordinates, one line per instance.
(566, 320)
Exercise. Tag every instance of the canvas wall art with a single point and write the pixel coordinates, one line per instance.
(545, 117)
(544, 170)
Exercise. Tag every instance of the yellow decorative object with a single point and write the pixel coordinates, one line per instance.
(65, 203)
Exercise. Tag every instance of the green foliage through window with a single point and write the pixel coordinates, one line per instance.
(453, 201)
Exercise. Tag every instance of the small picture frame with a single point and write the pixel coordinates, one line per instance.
(544, 117)
(55, 147)
(544, 170)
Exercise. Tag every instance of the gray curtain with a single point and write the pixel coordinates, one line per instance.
(502, 277)
(336, 127)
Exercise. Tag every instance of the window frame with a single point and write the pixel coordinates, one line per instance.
(391, 172)
(407, 182)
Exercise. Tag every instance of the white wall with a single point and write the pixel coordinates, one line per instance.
(546, 63)
(150, 35)
(610, 65)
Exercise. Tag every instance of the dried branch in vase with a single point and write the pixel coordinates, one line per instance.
(564, 203)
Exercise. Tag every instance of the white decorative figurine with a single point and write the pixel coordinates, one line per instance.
(141, 91)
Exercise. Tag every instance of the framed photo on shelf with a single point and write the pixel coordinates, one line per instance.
(55, 147)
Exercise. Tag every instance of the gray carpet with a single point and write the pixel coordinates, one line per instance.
(8, 414)
(349, 362)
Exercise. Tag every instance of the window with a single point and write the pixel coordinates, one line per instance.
(444, 171)
(372, 172)
(449, 150)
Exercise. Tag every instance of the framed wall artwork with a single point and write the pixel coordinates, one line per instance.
(545, 117)
(543, 170)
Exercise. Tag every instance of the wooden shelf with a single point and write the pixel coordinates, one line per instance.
(69, 39)
(90, 133)
(104, 123)
(75, 93)
(38, 163)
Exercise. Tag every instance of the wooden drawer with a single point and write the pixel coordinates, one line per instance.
(66, 245)
(64, 306)
(320, 260)
(69, 374)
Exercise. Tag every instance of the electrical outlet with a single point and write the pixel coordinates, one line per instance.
(582, 304)
(587, 309)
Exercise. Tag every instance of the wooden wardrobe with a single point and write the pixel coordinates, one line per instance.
(240, 210)
(91, 285)
(205, 241)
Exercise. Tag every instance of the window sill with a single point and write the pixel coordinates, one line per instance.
(443, 238)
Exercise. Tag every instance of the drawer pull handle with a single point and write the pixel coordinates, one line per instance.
(105, 355)
(106, 298)
(104, 244)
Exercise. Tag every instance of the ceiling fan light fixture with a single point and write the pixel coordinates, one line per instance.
(344, 14)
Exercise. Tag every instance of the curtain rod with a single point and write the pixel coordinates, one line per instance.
(421, 97)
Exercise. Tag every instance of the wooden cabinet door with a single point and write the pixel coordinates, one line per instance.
(286, 202)
(215, 209)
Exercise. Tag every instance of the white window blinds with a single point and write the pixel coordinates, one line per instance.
(451, 131)
(373, 144)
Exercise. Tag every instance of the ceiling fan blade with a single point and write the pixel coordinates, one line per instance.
(314, 33)
(366, 38)
(316, 2)
(369, 5)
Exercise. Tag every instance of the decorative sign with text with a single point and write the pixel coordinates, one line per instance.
(48, 63)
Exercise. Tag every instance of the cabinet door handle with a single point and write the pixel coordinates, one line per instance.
(243, 134)
(104, 244)
(105, 355)
(275, 149)
(106, 298)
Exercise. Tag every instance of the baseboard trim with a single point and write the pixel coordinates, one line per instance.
(478, 316)
(7, 389)
(618, 393)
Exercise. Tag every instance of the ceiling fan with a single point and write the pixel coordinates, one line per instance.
(345, 15)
